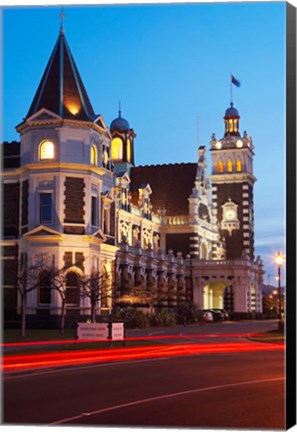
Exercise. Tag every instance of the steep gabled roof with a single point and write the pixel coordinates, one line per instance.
(171, 185)
(61, 89)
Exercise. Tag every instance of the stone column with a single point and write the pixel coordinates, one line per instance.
(198, 292)
(240, 297)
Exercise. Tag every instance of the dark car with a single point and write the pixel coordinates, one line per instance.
(223, 312)
(217, 316)
(207, 316)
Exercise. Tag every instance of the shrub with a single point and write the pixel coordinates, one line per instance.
(132, 317)
(155, 320)
(162, 318)
(187, 313)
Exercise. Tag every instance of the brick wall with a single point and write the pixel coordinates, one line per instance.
(10, 275)
(11, 211)
(74, 200)
(25, 202)
(235, 242)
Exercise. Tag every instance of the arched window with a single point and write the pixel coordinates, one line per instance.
(72, 289)
(235, 125)
(230, 125)
(220, 167)
(117, 149)
(238, 165)
(229, 166)
(94, 158)
(46, 150)
(44, 287)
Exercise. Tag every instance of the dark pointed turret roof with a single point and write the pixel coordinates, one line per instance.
(61, 89)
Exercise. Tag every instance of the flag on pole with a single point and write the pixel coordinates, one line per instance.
(235, 81)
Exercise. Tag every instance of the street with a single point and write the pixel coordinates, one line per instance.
(220, 389)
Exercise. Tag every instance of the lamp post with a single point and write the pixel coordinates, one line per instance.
(279, 259)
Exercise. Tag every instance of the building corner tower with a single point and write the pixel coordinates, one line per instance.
(232, 187)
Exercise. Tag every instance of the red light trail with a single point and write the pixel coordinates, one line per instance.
(56, 359)
(153, 337)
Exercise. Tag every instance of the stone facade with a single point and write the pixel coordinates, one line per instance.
(76, 204)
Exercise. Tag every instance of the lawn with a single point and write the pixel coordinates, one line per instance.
(272, 336)
(34, 335)
(68, 343)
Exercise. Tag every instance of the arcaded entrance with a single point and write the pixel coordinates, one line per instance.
(214, 294)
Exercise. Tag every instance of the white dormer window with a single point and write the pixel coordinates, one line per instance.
(46, 150)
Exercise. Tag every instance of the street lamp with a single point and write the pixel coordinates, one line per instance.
(279, 259)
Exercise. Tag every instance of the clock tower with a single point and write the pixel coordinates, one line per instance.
(232, 187)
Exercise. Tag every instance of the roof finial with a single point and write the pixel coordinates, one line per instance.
(62, 17)
(120, 111)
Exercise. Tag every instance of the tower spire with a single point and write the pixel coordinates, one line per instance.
(62, 17)
(61, 89)
(120, 110)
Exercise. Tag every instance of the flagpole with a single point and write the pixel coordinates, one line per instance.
(231, 87)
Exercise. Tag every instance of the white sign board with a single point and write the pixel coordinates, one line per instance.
(92, 331)
(118, 331)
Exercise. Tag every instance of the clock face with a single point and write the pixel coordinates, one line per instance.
(230, 214)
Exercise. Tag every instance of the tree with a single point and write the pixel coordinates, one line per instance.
(27, 277)
(271, 304)
(58, 280)
(150, 294)
(97, 288)
(71, 283)
(188, 313)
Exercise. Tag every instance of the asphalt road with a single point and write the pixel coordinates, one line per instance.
(224, 390)
(225, 327)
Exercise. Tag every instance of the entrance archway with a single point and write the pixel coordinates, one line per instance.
(213, 294)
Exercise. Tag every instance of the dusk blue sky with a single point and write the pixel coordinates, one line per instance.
(170, 66)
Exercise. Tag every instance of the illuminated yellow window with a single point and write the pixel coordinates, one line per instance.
(46, 150)
(238, 166)
(235, 125)
(220, 167)
(129, 150)
(123, 197)
(229, 166)
(230, 125)
(117, 149)
(94, 155)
